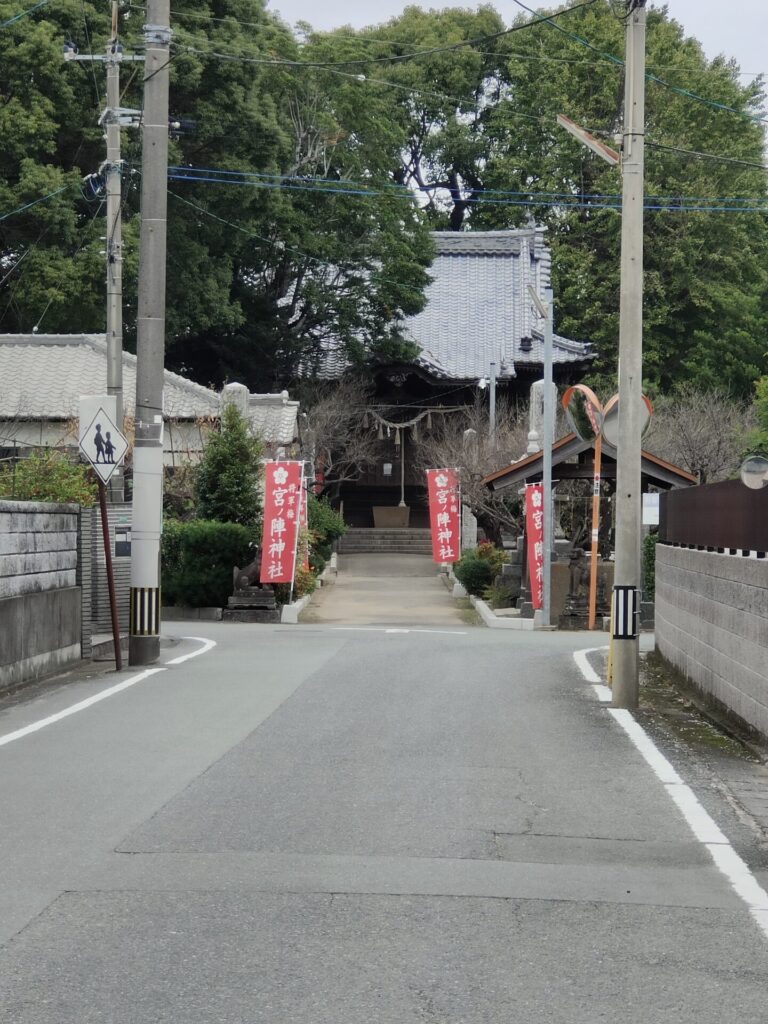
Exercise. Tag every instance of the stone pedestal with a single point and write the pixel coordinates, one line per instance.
(252, 604)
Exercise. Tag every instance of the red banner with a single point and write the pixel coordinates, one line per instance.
(304, 525)
(282, 506)
(444, 513)
(534, 531)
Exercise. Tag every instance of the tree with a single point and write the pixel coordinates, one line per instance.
(343, 445)
(261, 271)
(481, 142)
(227, 479)
(461, 440)
(701, 430)
(757, 440)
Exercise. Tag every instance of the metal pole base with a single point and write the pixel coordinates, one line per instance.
(143, 650)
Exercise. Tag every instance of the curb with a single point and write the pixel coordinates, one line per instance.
(290, 612)
(493, 621)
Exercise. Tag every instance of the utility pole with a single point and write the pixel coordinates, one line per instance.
(545, 308)
(114, 243)
(628, 468)
(114, 224)
(144, 640)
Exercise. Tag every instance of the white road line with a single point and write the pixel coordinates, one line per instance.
(585, 668)
(80, 706)
(103, 694)
(396, 629)
(207, 645)
(728, 862)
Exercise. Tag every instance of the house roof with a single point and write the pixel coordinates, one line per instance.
(274, 417)
(661, 473)
(44, 375)
(478, 309)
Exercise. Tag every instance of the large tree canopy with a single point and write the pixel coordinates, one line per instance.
(314, 232)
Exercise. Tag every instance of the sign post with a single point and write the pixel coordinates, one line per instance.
(104, 446)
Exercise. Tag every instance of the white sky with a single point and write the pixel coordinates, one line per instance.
(737, 28)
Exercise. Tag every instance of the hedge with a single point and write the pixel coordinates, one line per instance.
(198, 558)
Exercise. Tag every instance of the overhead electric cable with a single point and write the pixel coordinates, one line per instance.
(397, 58)
(715, 104)
(26, 206)
(23, 14)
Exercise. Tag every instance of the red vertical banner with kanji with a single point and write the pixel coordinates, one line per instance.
(534, 531)
(282, 511)
(444, 514)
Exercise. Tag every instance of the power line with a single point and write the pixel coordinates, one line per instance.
(34, 202)
(687, 93)
(684, 205)
(280, 245)
(708, 156)
(188, 172)
(23, 14)
(397, 58)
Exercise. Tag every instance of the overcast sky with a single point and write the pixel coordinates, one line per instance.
(737, 28)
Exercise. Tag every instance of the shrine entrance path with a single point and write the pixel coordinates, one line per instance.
(385, 590)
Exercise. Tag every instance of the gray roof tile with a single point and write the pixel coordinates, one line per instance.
(42, 376)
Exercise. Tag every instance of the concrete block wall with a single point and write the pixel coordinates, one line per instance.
(40, 612)
(712, 625)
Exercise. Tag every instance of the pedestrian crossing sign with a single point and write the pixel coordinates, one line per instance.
(101, 441)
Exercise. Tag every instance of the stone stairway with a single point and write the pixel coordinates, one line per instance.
(385, 541)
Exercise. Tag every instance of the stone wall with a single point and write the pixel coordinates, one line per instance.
(712, 625)
(40, 600)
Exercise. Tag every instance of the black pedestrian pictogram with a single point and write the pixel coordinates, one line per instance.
(99, 442)
(109, 449)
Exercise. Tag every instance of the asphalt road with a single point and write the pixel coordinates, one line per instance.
(330, 825)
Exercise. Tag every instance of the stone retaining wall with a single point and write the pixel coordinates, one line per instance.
(40, 613)
(712, 625)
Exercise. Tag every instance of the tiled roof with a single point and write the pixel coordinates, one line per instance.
(274, 418)
(42, 376)
(478, 309)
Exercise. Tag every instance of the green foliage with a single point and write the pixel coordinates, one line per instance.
(490, 553)
(304, 583)
(475, 574)
(324, 522)
(198, 559)
(757, 442)
(47, 475)
(498, 595)
(476, 570)
(226, 483)
(649, 565)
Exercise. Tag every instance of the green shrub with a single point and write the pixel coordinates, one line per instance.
(316, 561)
(475, 574)
(649, 566)
(490, 553)
(498, 595)
(324, 522)
(198, 558)
(47, 475)
(305, 582)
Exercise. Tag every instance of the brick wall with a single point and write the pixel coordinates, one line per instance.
(712, 625)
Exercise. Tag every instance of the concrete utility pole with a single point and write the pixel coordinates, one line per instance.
(144, 641)
(114, 224)
(628, 469)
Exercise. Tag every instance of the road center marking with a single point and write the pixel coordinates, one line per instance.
(700, 822)
(396, 629)
(104, 694)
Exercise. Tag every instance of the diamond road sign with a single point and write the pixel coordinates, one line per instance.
(101, 441)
